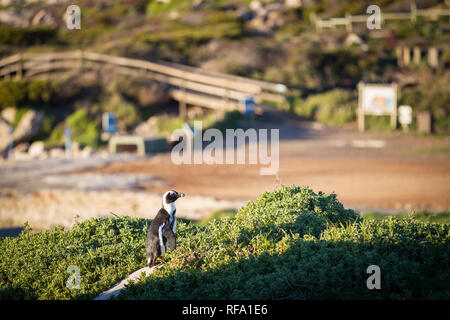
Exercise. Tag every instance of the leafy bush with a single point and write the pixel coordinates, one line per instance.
(337, 106)
(34, 265)
(288, 244)
(26, 36)
(20, 93)
(84, 129)
(126, 113)
(295, 244)
(440, 217)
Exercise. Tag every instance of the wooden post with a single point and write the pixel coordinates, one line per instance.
(348, 22)
(433, 60)
(182, 109)
(361, 123)
(394, 112)
(413, 13)
(399, 54)
(416, 55)
(406, 56)
(19, 72)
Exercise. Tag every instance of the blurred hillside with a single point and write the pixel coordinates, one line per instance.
(269, 40)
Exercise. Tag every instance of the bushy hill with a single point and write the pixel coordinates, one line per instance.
(234, 36)
(288, 244)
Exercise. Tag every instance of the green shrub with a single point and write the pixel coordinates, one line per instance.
(34, 265)
(26, 36)
(378, 123)
(85, 129)
(440, 217)
(288, 244)
(337, 107)
(127, 114)
(20, 93)
(295, 244)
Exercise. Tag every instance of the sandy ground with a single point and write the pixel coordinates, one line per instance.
(368, 171)
(48, 208)
(389, 172)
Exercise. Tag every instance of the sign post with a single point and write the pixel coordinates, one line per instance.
(68, 141)
(378, 100)
(405, 117)
(109, 123)
(248, 105)
(11, 142)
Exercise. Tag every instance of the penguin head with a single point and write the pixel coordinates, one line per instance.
(172, 196)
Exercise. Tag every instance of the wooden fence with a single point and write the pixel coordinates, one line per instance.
(188, 85)
(349, 19)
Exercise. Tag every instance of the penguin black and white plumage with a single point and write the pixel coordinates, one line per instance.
(161, 234)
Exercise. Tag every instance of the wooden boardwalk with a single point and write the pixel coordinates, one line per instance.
(188, 85)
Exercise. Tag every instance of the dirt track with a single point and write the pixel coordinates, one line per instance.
(388, 172)
(408, 173)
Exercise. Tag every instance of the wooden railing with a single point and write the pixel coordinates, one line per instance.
(349, 19)
(188, 85)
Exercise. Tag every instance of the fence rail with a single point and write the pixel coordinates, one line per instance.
(349, 19)
(190, 85)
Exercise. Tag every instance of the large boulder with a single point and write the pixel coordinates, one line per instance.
(29, 126)
(36, 150)
(4, 134)
(9, 114)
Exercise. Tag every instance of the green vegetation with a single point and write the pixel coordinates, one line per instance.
(337, 107)
(26, 36)
(34, 265)
(288, 244)
(22, 93)
(84, 129)
(425, 216)
(166, 124)
(320, 65)
(126, 113)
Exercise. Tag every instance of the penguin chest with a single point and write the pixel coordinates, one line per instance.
(162, 239)
(173, 222)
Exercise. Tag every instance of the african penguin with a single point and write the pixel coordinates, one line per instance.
(161, 233)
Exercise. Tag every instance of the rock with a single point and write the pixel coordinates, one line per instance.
(173, 15)
(36, 149)
(87, 152)
(75, 149)
(29, 126)
(255, 5)
(57, 153)
(21, 156)
(44, 155)
(9, 114)
(16, 17)
(195, 112)
(143, 129)
(43, 18)
(293, 4)
(274, 20)
(22, 147)
(351, 39)
(4, 134)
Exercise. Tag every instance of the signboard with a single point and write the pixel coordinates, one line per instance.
(109, 123)
(378, 100)
(249, 105)
(405, 116)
